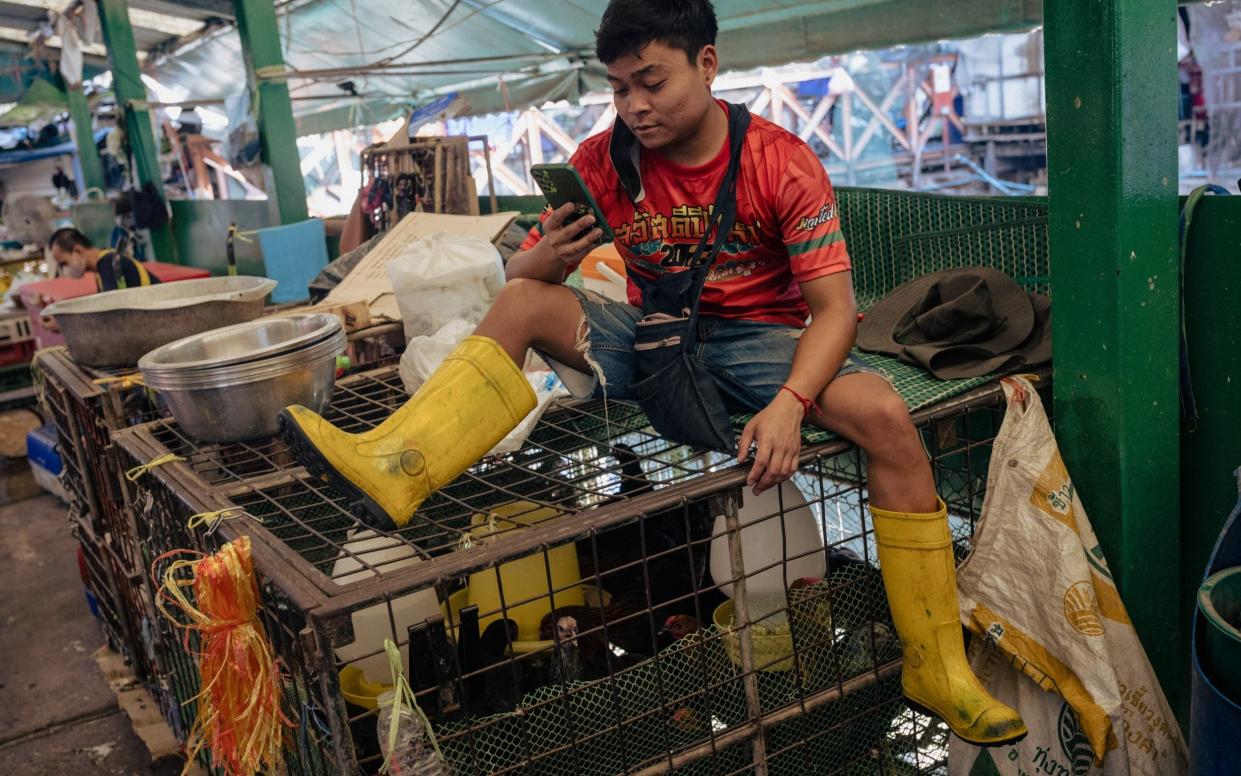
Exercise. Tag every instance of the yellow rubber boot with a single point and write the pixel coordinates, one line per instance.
(468, 405)
(915, 557)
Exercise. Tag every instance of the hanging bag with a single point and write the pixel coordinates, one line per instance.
(677, 393)
(1053, 637)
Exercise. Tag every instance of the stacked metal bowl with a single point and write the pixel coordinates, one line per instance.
(229, 384)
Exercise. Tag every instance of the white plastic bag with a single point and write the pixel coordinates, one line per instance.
(1038, 591)
(445, 278)
(424, 355)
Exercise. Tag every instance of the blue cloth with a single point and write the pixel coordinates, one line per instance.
(750, 359)
(293, 256)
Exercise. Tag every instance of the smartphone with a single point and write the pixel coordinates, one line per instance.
(561, 184)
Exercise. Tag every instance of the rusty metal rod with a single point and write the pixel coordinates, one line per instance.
(726, 504)
(745, 730)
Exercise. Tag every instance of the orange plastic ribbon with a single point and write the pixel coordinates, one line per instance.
(239, 716)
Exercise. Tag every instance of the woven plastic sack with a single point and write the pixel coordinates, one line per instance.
(1056, 642)
(445, 278)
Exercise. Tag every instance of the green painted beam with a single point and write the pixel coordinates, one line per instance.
(129, 89)
(88, 152)
(1112, 176)
(260, 45)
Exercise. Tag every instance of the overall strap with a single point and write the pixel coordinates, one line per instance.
(624, 153)
(724, 213)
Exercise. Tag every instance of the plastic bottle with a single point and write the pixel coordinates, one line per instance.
(413, 754)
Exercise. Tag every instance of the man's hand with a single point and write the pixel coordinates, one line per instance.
(568, 243)
(561, 248)
(777, 431)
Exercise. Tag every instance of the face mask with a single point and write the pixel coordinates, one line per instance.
(70, 271)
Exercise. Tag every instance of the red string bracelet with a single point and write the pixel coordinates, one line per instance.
(807, 404)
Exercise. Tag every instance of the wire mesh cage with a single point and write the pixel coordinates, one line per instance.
(164, 509)
(85, 406)
(601, 601)
(103, 580)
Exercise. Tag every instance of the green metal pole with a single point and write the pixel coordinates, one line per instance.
(1112, 174)
(88, 153)
(127, 83)
(260, 45)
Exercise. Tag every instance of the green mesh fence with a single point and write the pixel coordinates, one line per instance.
(894, 236)
(693, 692)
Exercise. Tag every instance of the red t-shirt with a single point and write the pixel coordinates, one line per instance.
(787, 229)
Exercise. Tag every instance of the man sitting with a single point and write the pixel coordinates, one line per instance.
(656, 175)
(75, 255)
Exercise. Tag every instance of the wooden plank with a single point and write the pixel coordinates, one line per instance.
(142, 709)
(355, 315)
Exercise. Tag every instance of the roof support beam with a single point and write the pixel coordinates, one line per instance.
(127, 83)
(260, 46)
(1112, 167)
(220, 8)
(88, 152)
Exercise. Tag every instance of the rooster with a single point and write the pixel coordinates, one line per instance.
(678, 626)
(593, 652)
(567, 665)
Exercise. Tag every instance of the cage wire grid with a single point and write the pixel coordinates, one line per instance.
(958, 435)
(102, 576)
(312, 746)
(86, 405)
(83, 406)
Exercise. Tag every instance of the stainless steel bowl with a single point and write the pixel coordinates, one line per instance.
(231, 400)
(241, 411)
(249, 372)
(241, 344)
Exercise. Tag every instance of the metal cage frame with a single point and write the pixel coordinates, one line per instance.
(300, 528)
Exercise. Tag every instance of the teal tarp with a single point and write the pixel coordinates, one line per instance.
(516, 53)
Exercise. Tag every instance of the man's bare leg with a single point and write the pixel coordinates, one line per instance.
(864, 409)
(533, 314)
(916, 559)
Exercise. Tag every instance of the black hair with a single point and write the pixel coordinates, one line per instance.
(629, 25)
(67, 238)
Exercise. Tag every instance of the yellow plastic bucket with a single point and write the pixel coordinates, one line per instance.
(773, 647)
(524, 579)
(359, 690)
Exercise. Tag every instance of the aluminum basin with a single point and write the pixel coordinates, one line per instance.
(115, 328)
(240, 344)
(242, 410)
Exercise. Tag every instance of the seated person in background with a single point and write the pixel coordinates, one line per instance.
(75, 256)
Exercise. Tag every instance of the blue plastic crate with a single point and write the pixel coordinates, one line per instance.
(42, 450)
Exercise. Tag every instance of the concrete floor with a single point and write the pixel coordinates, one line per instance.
(57, 714)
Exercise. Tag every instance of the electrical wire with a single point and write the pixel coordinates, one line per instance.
(424, 38)
(375, 69)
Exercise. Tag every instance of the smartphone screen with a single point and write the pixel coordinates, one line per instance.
(562, 184)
